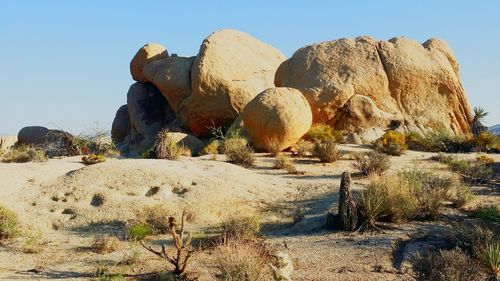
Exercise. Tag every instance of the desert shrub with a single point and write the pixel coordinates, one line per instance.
(449, 265)
(23, 154)
(322, 133)
(166, 147)
(387, 198)
(473, 172)
(490, 213)
(371, 163)
(473, 239)
(484, 142)
(298, 215)
(461, 195)
(492, 260)
(242, 227)
(239, 152)
(273, 145)
(440, 141)
(105, 244)
(430, 190)
(139, 232)
(392, 143)
(33, 241)
(103, 273)
(93, 159)
(485, 159)
(155, 218)
(303, 148)
(327, 151)
(212, 148)
(285, 162)
(443, 158)
(9, 225)
(241, 261)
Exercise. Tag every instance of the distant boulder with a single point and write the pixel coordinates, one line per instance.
(32, 135)
(54, 142)
(277, 118)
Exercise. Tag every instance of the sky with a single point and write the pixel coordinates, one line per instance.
(65, 64)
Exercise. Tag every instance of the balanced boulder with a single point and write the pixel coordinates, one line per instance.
(277, 118)
(146, 54)
(360, 84)
(230, 69)
(172, 76)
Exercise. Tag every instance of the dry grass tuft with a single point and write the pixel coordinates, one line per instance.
(93, 159)
(327, 151)
(242, 227)
(23, 154)
(303, 148)
(154, 218)
(371, 163)
(9, 225)
(166, 147)
(285, 162)
(238, 152)
(105, 244)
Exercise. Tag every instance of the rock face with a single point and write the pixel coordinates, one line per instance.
(149, 113)
(146, 54)
(172, 76)
(229, 71)
(121, 125)
(277, 117)
(32, 135)
(358, 84)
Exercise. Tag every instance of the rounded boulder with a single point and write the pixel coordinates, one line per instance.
(277, 118)
(145, 55)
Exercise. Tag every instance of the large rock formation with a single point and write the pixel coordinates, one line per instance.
(230, 70)
(360, 84)
(32, 135)
(121, 125)
(277, 118)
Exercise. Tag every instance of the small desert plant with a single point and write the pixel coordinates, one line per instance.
(284, 268)
(93, 159)
(154, 218)
(473, 172)
(103, 273)
(473, 239)
(139, 232)
(446, 266)
(9, 225)
(392, 143)
(105, 244)
(298, 215)
(492, 259)
(239, 260)
(485, 159)
(371, 163)
(484, 142)
(33, 241)
(273, 145)
(238, 152)
(166, 147)
(285, 162)
(327, 151)
(372, 206)
(212, 148)
(490, 213)
(462, 194)
(182, 245)
(23, 154)
(440, 141)
(241, 227)
(303, 148)
(322, 133)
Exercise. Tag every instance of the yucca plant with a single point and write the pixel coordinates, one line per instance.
(372, 207)
(166, 147)
(492, 259)
(477, 126)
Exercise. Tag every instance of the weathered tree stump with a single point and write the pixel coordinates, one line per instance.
(348, 213)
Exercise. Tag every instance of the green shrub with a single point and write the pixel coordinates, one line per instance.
(242, 227)
(322, 133)
(139, 232)
(371, 163)
(212, 148)
(23, 154)
(9, 225)
(492, 260)
(166, 147)
(450, 265)
(474, 172)
(485, 141)
(327, 151)
(440, 141)
(238, 152)
(490, 213)
(392, 143)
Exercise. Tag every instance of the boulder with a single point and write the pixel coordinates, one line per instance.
(361, 83)
(149, 113)
(172, 76)
(121, 125)
(191, 143)
(146, 54)
(277, 118)
(32, 135)
(230, 69)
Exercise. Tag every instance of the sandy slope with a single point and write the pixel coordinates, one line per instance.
(211, 190)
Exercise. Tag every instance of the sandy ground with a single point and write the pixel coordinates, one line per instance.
(56, 198)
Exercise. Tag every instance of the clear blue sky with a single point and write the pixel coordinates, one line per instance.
(67, 62)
